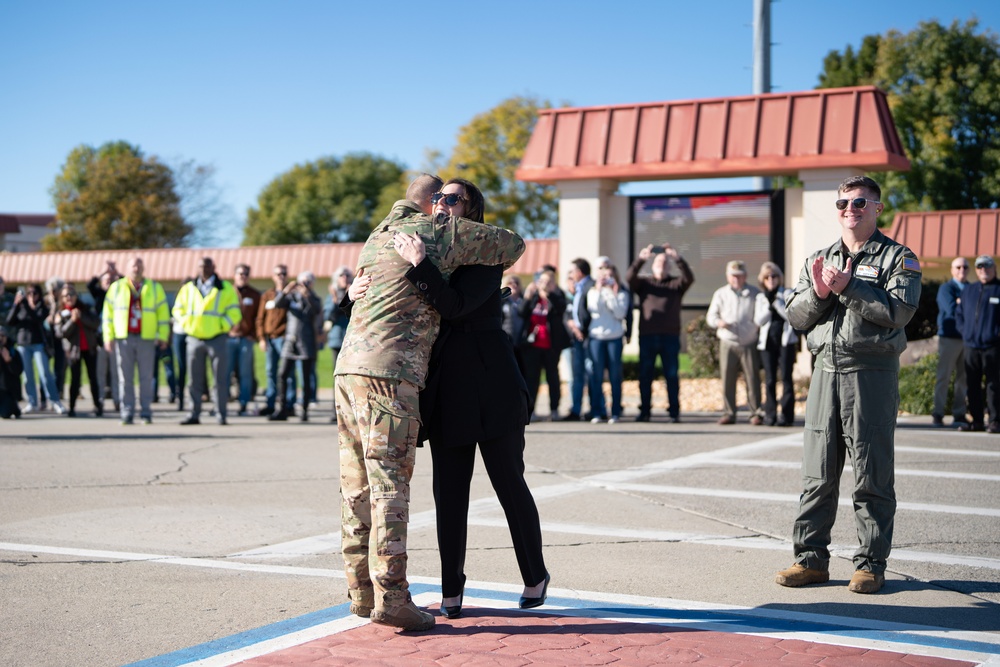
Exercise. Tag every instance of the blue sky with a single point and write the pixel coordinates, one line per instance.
(254, 87)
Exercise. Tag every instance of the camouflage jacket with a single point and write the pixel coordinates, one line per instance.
(393, 328)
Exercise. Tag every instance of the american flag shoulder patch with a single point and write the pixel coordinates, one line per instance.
(911, 264)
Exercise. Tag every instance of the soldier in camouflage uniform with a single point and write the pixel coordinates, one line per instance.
(853, 299)
(380, 371)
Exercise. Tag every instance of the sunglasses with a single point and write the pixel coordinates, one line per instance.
(772, 277)
(281, 273)
(857, 202)
(983, 266)
(449, 199)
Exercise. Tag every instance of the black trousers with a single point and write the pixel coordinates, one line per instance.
(778, 362)
(980, 363)
(87, 358)
(504, 460)
(535, 359)
(286, 370)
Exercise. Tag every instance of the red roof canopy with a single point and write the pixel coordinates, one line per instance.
(756, 135)
(176, 264)
(968, 233)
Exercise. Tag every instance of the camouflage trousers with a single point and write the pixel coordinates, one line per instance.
(378, 421)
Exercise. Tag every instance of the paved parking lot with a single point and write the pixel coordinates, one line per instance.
(168, 545)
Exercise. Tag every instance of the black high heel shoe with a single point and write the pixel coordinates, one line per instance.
(453, 611)
(530, 603)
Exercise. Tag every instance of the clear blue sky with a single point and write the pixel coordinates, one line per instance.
(254, 87)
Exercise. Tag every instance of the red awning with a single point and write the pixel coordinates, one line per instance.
(757, 135)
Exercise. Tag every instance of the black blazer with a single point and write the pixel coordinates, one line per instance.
(475, 390)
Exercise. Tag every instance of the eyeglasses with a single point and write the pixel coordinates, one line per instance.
(857, 202)
(241, 273)
(281, 273)
(772, 277)
(961, 267)
(450, 199)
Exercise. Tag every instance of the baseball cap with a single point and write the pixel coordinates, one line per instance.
(984, 260)
(736, 267)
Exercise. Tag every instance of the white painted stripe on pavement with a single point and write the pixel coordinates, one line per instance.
(787, 497)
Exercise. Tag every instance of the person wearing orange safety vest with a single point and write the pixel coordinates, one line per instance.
(135, 320)
(207, 308)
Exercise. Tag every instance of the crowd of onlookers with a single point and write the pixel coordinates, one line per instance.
(123, 330)
(123, 327)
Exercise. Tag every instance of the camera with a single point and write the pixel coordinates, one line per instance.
(65, 313)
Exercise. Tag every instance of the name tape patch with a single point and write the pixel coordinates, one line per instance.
(866, 271)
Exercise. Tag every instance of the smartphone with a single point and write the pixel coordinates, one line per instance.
(657, 249)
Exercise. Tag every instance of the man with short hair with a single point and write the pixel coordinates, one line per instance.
(978, 318)
(951, 357)
(207, 309)
(271, 324)
(659, 323)
(6, 301)
(243, 336)
(381, 368)
(135, 321)
(853, 300)
(731, 315)
(578, 324)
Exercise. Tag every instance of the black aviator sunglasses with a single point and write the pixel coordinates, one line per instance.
(857, 202)
(449, 199)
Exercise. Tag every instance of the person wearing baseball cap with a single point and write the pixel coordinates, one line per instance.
(731, 315)
(978, 318)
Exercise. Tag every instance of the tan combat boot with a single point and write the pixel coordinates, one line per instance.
(406, 616)
(798, 575)
(864, 581)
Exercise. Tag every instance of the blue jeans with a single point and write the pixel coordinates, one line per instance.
(606, 355)
(167, 357)
(272, 361)
(241, 361)
(668, 347)
(36, 353)
(579, 356)
(179, 345)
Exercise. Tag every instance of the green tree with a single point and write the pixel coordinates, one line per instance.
(113, 197)
(489, 151)
(943, 87)
(327, 200)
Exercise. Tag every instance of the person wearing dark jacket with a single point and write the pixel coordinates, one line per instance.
(659, 296)
(978, 318)
(28, 318)
(300, 342)
(11, 368)
(951, 350)
(75, 324)
(474, 394)
(543, 338)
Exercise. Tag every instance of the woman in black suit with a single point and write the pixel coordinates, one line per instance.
(474, 394)
(543, 338)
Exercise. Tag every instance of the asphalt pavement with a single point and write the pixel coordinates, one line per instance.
(165, 544)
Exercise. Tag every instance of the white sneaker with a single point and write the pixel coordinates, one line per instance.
(28, 409)
(596, 420)
(612, 420)
(58, 407)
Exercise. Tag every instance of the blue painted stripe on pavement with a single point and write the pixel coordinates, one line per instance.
(746, 623)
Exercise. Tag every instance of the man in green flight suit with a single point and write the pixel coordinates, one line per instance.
(381, 368)
(853, 300)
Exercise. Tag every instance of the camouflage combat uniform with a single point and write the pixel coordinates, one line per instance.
(853, 399)
(380, 371)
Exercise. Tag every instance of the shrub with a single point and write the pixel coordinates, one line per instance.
(916, 386)
(703, 347)
(923, 324)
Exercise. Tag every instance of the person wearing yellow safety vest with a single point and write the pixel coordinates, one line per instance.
(207, 308)
(135, 320)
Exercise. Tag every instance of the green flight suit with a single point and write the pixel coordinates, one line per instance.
(856, 338)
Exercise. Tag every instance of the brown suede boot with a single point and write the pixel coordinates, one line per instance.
(864, 581)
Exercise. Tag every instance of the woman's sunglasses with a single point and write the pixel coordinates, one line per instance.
(449, 200)
(857, 202)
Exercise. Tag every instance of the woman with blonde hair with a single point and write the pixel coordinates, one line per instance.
(778, 344)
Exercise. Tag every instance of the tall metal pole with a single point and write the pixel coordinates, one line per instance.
(761, 62)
